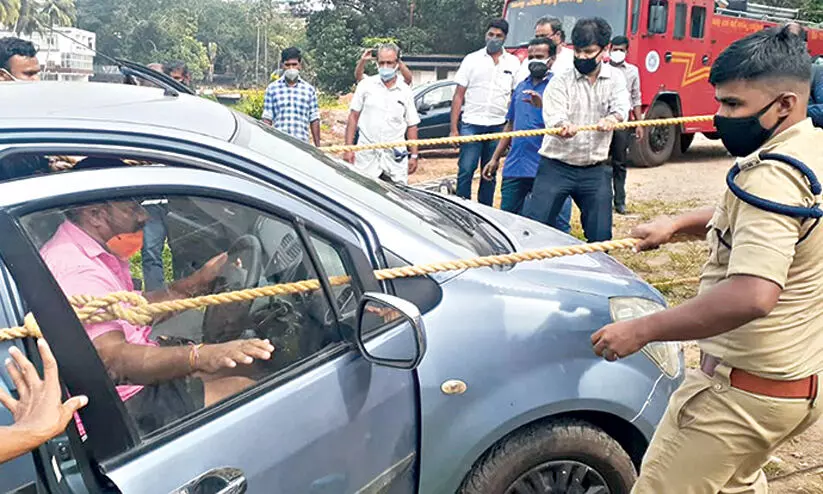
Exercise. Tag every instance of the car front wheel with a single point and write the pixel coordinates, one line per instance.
(562, 457)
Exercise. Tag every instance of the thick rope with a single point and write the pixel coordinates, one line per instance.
(516, 133)
(133, 308)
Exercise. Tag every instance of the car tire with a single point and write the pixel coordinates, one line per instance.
(547, 457)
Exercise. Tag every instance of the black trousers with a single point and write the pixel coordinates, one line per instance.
(619, 156)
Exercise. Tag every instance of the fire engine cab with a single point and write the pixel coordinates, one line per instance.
(673, 43)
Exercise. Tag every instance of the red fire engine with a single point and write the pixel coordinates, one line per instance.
(673, 43)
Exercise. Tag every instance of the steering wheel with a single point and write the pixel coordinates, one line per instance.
(226, 322)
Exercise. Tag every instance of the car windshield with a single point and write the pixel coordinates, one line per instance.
(438, 220)
(523, 14)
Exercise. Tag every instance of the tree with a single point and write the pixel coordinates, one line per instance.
(42, 15)
(9, 12)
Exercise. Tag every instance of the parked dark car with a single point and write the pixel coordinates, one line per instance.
(434, 103)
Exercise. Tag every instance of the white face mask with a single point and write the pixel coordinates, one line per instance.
(291, 74)
(617, 57)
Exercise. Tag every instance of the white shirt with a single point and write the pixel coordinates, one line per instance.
(564, 60)
(385, 115)
(488, 86)
(571, 98)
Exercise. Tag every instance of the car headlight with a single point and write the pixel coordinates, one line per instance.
(666, 355)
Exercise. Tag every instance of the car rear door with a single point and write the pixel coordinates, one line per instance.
(435, 119)
(324, 420)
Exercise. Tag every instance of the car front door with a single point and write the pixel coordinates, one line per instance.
(434, 107)
(316, 418)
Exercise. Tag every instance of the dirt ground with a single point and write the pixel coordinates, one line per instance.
(693, 180)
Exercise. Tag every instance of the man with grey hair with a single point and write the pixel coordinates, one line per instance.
(383, 110)
(551, 28)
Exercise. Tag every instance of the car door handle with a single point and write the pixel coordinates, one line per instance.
(224, 480)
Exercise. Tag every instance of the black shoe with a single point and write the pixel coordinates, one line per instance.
(620, 209)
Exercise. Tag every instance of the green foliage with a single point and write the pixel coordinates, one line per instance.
(37, 15)
(211, 36)
(9, 12)
(252, 104)
(336, 36)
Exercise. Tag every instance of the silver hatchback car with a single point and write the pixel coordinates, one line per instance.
(472, 381)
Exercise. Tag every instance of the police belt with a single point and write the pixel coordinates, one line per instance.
(745, 381)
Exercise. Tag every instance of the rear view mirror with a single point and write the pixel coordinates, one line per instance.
(401, 342)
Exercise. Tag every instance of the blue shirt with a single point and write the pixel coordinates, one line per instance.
(523, 158)
(815, 109)
(291, 108)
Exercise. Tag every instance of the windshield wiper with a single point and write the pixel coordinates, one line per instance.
(466, 223)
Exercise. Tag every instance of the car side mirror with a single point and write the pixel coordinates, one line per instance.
(401, 342)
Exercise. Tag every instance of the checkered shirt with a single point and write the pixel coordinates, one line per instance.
(571, 98)
(291, 108)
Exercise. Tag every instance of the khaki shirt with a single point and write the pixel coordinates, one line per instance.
(744, 240)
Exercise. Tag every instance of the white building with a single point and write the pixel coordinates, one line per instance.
(67, 54)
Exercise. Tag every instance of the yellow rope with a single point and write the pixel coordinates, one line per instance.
(677, 282)
(132, 307)
(516, 133)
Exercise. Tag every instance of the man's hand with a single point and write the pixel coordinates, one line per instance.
(366, 56)
(412, 165)
(535, 99)
(638, 133)
(619, 339)
(227, 355)
(606, 124)
(490, 170)
(455, 133)
(39, 410)
(349, 156)
(58, 165)
(568, 130)
(652, 235)
(201, 280)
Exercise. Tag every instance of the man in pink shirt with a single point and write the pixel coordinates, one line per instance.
(157, 384)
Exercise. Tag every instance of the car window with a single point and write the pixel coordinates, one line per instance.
(166, 248)
(440, 97)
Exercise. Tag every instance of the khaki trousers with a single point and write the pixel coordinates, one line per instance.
(716, 439)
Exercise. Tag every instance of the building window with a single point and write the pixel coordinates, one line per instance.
(681, 10)
(698, 22)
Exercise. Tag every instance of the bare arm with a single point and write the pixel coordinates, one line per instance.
(457, 106)
(503, 144)
(726, 306)
(661, 230)
(141, 364)
(351, 127)
(406, 72)
(411, 135)
(360, 69)
(315, 132)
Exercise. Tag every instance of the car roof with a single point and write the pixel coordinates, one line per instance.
(113, 103)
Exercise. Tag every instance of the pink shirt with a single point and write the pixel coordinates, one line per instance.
(82, 266)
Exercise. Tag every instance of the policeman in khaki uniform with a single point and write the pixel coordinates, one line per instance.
(758, 317)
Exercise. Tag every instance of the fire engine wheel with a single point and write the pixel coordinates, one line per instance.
(658, 143)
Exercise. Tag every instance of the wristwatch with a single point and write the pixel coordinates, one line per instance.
(413, 156)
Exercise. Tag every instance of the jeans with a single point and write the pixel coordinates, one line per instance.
(154, 239)
(472, 155)
(619, 151)
(515, 190)
(590, 187)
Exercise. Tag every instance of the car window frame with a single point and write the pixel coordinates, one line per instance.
(138, 446)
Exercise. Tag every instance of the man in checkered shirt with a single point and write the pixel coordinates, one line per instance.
(573, 164)
(291, 103)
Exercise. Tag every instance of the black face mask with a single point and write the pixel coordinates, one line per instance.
(744, 135)
(538, 70)
(586, 65)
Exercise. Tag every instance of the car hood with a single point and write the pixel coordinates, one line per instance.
(596, 273)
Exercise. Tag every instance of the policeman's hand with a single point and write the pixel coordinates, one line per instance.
(606, 124)
(568, 130)
(412, 165)
(534, 99)
(652, 235)
(39, 409)
(212, 358)
(618, 340)
(349, 156)
(490, 170)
